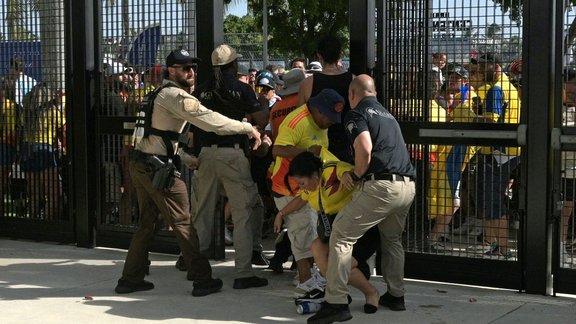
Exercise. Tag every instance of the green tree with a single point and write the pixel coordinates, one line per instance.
(294, 26)
(16, 12)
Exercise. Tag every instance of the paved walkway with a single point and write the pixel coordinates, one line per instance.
(50, 283)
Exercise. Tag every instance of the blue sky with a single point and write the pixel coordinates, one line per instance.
(238, 8)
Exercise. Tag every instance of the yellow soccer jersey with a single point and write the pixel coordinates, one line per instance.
(334, 195)
(298, 129)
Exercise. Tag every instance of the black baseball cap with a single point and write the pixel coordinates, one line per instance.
(181, 56)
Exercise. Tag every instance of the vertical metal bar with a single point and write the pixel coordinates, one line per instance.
(81, 146)
(558, 55)
(381, 72)
(362, 36)
(210, 22)
(210, 32)
(538, 30)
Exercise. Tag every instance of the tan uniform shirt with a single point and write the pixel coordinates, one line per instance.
(173, 107)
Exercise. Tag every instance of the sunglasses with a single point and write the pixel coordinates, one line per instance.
(187, 68)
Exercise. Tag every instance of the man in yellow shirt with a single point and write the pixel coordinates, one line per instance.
(495, 164)
(304, 129)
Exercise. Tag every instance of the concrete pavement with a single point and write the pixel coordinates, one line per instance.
(51, 283)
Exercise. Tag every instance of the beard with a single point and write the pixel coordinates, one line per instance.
(185, 83)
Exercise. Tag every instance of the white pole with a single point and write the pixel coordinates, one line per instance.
(265, 32)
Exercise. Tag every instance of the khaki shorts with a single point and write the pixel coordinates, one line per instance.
(301, 226)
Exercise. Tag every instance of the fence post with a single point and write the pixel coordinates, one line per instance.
(362, 36)
(80, 118)
(538, 98)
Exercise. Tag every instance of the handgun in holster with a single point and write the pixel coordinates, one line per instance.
(165, 173)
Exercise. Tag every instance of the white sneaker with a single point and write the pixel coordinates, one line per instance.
(228, 237)
(316, 275)
(472, 227)
(302, 289)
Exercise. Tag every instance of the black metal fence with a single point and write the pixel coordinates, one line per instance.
(451, 74)
(33, 151)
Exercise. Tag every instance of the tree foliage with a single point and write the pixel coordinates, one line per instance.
(294, 26)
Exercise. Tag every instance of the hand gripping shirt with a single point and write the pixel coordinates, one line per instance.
(298, 129)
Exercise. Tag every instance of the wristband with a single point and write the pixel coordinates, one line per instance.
(354, 177)
(280, 213)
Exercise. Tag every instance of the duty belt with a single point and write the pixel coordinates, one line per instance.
(387, 176)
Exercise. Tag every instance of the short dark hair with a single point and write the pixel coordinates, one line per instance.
(438, 55)
(17, 63)
(330, 48)
(304, 164)
(298, 59)
(250, 70)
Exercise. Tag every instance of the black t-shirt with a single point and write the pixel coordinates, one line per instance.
(389, 153)
(235, 104)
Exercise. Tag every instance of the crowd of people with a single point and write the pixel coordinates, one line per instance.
(32, 149)
(313, 145)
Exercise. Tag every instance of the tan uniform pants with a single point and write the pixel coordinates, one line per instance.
(379, 203)
(229, 169)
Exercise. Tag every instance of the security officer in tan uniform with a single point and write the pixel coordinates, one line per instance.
(173, 107)
(223, 164)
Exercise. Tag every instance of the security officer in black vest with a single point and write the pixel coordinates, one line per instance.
(384, 177)
(223, 164)
(158, 186)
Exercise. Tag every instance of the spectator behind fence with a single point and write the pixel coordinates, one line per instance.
(298, 63)
(329, 49)
(8, 137)
(22, 83)
(445, 176)
(493, 166)
(42, 120)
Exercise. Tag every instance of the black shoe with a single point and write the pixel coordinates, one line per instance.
(250, 282)
(330, 313)
(181, 265)
(203, 288)
(259, 259)
(370, 309)
(275, 266)
(394, 303)
(125, 287)
(147, 267)
(313, 296)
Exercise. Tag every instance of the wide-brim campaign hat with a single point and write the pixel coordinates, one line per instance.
(292, 81)
(224, 54)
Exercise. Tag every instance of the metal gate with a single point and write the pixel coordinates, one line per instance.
(563, 141)
(34, 177)
(134, 40)
(451, 78)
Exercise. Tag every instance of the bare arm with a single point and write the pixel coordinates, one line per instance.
(305, 90)
(362, 156)
(291, 207)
